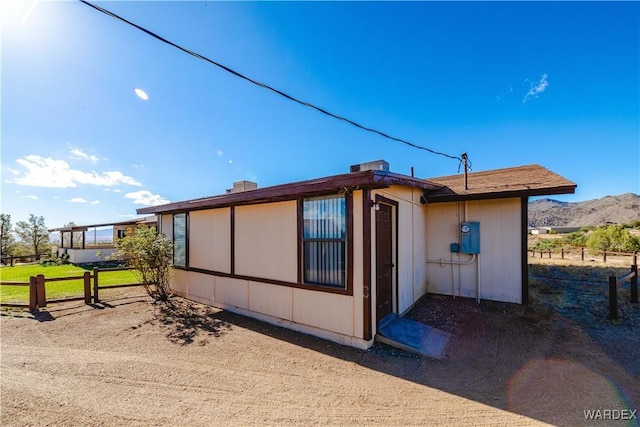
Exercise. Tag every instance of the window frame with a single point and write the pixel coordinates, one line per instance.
(186, 239)
(347, 286)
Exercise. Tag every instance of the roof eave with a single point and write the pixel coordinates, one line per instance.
(457, 197)
(316, 187)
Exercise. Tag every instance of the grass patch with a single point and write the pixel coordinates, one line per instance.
(55, 290)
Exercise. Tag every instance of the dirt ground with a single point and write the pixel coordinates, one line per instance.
(128, 361)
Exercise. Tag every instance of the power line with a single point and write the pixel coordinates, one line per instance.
(265, 86)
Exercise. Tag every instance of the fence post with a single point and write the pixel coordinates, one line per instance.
(33, 293)
(549, 253)
(95, 285)
(562, 253)
(613, 297)
(604, 256)
(634, 284)
(41, 296)
(87, 287)
(582, 253)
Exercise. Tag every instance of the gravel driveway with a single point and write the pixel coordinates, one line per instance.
(129, 361)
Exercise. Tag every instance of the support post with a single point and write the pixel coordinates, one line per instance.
(613, 298)
(41, 294)
(604, 256)
(634, 284)
(582, 253)
(95, 285)
(562, 253)
(87, 287)
(33, 293)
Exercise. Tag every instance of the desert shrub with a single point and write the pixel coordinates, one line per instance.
(612, 238)
(150, 254)
(576, 239)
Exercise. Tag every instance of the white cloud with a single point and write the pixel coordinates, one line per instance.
(48, 172)
(30, 196)
(78, 153)
(77, 200)
(536, 89)
(146, 198)
(95, 202)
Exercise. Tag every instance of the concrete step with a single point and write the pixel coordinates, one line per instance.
(414, 337)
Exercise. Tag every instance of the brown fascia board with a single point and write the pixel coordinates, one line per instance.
(315, 187)
(521, 181)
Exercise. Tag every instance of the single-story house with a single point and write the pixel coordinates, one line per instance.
(95, 242)
(334, 256)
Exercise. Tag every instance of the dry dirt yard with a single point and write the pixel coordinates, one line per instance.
(128, 361)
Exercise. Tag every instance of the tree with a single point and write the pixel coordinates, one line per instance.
(6, 235)
(33, 232)
(150, 254)
(612, 238)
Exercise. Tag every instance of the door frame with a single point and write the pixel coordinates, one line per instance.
(394, 255)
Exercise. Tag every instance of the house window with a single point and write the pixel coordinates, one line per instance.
(180, 240)
(324, 241)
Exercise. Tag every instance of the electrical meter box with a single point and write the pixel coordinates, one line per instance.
(470, 241)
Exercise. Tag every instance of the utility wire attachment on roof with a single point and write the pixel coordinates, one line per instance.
(265, 86)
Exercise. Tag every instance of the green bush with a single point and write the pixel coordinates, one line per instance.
(613, 238)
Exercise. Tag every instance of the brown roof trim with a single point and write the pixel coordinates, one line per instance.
(309, 188)
(521, 181)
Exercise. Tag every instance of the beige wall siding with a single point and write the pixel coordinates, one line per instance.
(498, 263)
(272, 300)
(500, 247)
(201, 286)
(266, 241)
(233, 292)
(180, 281)
(210, 239)
(166, 225)
(358, 273)
(323, 310)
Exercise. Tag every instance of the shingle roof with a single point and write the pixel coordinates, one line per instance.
(529, 180)
(512, 182)
(315, 187)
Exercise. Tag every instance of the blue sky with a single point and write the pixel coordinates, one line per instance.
(510, 83)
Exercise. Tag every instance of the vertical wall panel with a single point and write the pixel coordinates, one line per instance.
(499, 258)
(323, 310)
(201, 286)
(232, 292)
(266, 241)
(210, 239)
(272, 300)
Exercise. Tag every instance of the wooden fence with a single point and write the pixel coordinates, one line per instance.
(614, 282)
(562, 253)
(91, 287)
(10, 259)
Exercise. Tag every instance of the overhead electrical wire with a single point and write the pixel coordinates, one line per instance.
(265, 86)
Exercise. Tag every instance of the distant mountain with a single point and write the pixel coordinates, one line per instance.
(610, 209)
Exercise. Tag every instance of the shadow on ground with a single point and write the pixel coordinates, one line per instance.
(188, 322)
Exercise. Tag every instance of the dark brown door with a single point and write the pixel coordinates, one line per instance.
(384, 262)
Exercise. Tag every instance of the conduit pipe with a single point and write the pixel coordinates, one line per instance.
(444, 261)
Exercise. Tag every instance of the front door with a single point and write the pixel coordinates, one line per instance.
(384, 262)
